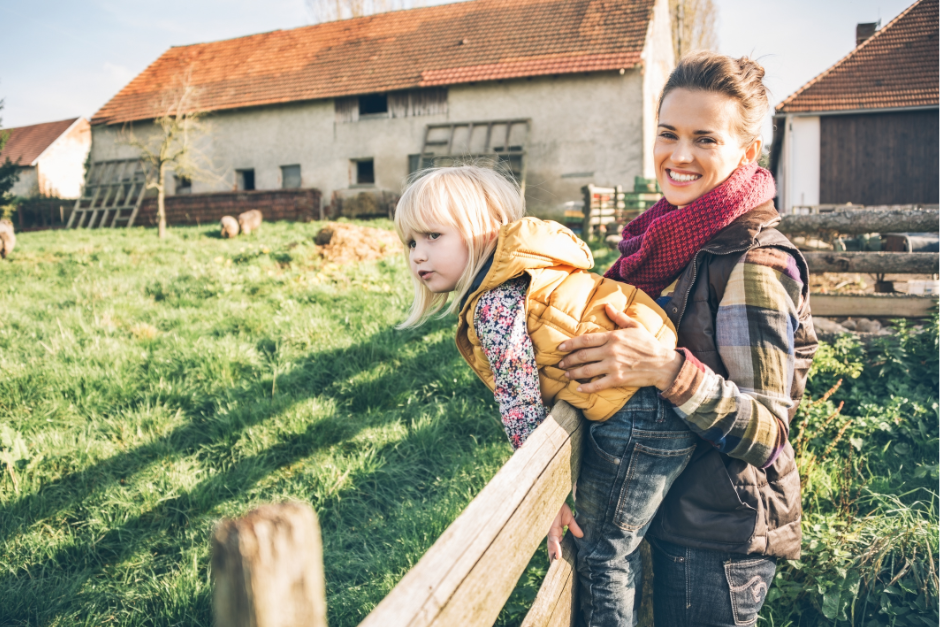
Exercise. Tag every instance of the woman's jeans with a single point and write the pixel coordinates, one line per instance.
(708, 588)
(629, 463)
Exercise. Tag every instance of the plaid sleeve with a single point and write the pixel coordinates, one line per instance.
(500, 323)
(745, 414)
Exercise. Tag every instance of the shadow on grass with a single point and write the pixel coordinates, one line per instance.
(73, 565)
(323, 374)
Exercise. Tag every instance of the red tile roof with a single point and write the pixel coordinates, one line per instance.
(478, 40)
(26, 143)
(896, 67)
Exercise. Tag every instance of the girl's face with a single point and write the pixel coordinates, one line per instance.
(438, 258)
(697, 145)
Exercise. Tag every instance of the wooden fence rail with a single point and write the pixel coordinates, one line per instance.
(874, 263)
(261, 562)
(855, 222)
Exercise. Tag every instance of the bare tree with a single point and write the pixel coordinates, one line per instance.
(178, 126)
(332, 10)
(694, 25)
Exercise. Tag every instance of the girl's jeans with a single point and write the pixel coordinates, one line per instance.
(708, 588)
(629, 463)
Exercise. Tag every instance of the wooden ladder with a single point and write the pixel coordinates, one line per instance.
(114, 191)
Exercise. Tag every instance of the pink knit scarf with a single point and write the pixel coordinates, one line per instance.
(658, 245)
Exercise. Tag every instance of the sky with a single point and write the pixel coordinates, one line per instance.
(65, 58)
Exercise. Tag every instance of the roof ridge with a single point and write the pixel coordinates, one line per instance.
(838, 63)
(16, 128)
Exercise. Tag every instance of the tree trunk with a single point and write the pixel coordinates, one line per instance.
(161, 204)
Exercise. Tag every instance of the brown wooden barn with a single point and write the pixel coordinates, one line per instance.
(865, 131)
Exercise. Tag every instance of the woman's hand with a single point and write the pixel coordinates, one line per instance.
(630, 356)
(557, 531)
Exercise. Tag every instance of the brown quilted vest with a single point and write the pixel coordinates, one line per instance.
(721, 503)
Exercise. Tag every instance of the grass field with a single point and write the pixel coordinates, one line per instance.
(149, 388)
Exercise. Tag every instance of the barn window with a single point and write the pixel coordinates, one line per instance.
(373, 104)
(245, 180)
(364, 172)
(183, 185)
(290, 176)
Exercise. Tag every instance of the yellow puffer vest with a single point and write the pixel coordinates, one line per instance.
(564, 300)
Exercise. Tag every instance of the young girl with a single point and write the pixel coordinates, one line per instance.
(522, 287)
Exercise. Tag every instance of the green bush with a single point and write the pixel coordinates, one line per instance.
(866, 440)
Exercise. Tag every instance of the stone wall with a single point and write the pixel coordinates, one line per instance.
(301, 205)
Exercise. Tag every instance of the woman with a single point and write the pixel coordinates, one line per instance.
(737, 291)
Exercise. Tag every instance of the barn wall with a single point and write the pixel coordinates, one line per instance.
(880, 158)
(585, 128)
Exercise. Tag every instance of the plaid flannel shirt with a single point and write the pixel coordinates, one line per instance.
(744, 415)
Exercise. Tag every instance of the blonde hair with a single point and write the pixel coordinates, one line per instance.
(476, 201)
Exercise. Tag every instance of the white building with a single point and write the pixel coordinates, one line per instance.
(866, 130)
(564, 93)
(51, 157)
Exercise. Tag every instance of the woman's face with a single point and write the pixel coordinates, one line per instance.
(697, 145)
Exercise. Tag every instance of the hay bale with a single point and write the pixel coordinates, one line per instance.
(348, 243)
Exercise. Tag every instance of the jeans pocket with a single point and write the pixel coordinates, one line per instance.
(748, 581)
(609, 441)
(649, 476)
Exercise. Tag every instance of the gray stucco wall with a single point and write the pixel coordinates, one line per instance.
(580, 124)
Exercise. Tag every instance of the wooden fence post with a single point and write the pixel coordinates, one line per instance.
(268, 569)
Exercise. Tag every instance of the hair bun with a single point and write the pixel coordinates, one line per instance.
(751, 69)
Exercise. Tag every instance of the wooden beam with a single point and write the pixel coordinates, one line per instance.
(469, 573)
(874, 263)
(556, 603)
(872, 305)
(268, 569)
(860, 221)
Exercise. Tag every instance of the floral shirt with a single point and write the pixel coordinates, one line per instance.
(500, 323)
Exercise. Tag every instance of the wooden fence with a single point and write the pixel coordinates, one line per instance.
(268, 570)
(854, 222)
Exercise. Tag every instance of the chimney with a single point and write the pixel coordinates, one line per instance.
(863, 32)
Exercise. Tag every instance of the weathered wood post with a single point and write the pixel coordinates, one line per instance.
(268, 569)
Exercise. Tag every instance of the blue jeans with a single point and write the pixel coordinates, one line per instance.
(708, 588)
(629, 463)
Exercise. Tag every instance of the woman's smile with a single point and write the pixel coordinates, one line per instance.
(698, 144)
(682, 178)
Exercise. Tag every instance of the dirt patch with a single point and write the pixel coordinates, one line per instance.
(347, 243)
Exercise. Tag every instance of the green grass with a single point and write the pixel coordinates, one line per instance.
(159, 386)
(149, 388)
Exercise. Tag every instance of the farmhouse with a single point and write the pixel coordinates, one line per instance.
(865, 131)
(51, 157)
(560, 92)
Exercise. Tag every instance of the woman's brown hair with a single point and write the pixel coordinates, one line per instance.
(739, 79)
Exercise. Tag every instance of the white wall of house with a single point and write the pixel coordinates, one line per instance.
(798, 173)
(658, 62)
(584, 128)
(59, 171)
(62, 164)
